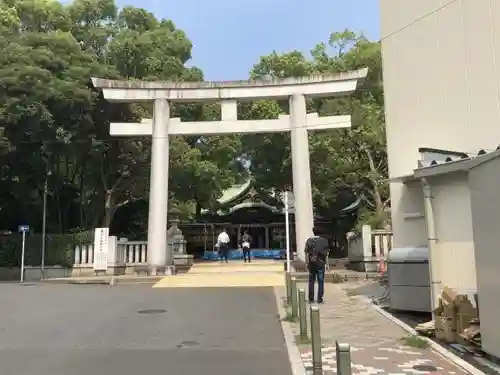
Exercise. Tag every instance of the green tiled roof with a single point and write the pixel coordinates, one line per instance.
(234, 192)
(231, 201)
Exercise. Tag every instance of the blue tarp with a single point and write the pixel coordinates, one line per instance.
(255, 253)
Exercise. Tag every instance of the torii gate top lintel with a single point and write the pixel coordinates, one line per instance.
(313, 86)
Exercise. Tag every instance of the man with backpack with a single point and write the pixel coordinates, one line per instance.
(316, 250)
(246, 241)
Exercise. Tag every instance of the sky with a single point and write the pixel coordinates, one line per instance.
(229, 36)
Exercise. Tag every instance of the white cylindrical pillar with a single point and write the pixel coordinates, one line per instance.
(158, 258)
(304, 220)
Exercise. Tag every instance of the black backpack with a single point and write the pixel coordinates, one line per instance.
(314, 256)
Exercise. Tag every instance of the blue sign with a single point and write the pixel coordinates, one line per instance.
(23, 228)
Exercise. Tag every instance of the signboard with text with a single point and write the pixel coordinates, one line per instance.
(101, 239)
(23, 228)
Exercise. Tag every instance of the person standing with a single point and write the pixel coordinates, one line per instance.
(223, 245)
(246, 241)
(316, 250)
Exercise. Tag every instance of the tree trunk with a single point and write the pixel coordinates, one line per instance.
(109, 210)
(81, 202)
(59, 208)
(198, 210)
(82, 194)
(377, 197)
(57, 190)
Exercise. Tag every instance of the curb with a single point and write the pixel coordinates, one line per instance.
(336, 277)
(106, 281)
(464, 365)
(293, 351)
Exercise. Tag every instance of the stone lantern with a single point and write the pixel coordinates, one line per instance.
(176, 238)
(176, 241)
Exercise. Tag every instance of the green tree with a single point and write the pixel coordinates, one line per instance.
(9, 18)
(352, 159)
(93, 24)
(55, 125)
(363, 147)
(54, 121)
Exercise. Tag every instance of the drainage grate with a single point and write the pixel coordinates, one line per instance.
(152, 311)
(427, 368)
(186, 344)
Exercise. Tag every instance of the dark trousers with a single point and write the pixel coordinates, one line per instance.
(246, 253)
(316, 273)
(223, 252)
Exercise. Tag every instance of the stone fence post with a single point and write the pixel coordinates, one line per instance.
(116, 256)
(366, 235)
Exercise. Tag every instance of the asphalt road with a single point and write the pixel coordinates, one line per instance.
(98, 330)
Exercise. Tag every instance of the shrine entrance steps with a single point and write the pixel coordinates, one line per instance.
(236, 273)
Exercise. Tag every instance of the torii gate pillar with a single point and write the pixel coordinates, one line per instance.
(158, 255)
(301, 172)
(298, 123)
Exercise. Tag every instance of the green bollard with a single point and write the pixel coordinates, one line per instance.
(343, 352)
(302, 315)
(288, 284)
(295, 304)
(317, 359)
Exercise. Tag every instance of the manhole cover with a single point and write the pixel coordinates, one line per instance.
(427, 368)
(152, 311)
(185, 344)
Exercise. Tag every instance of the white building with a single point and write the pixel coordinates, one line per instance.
(442, 94)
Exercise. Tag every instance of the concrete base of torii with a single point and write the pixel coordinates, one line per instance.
(160, 258)
(161, 270)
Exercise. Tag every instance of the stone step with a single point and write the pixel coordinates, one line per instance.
(222, 280)
(235, 268)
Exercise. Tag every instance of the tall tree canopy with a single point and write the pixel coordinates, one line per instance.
(342, 160)
(55, 126)
(54, 123)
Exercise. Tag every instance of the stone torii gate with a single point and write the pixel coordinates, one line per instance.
(161, 127)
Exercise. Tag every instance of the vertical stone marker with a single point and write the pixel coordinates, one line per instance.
(298, 122)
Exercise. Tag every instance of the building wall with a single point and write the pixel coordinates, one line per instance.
(484, 182)
(441, 80)
(453, 224)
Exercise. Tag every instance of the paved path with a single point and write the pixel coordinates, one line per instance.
(97, 330)
(258, 273)
(376, 342)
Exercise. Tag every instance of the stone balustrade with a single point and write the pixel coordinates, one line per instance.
(136, 252)
(84, 255)
(125, 257)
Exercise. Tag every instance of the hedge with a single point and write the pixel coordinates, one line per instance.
(59, 248)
